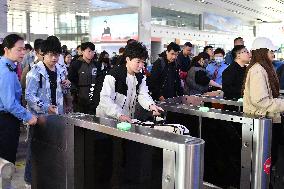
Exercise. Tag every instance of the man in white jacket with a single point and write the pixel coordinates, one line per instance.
(124, 85)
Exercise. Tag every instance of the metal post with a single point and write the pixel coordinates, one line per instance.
(168, 176)
(246, 153)
(6, 172)
(261, 154)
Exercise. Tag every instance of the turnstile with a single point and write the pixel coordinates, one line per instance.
(255, 136)
(7, 170)
(58, 155)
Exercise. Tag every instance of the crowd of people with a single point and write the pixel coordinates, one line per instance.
(47, 79)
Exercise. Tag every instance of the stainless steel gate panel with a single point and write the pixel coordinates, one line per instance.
(53, 149)
(256, 136)
(200, 100)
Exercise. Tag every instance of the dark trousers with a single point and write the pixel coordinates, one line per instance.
(9, 136)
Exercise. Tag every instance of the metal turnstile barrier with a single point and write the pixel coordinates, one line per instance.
(7, 170)
(200, 100)
(57, 151)
(255, 137)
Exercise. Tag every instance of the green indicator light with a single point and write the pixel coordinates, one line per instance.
(204, 109)
(124, 126)
(240, 100)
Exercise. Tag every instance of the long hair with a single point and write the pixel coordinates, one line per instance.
(260, 56)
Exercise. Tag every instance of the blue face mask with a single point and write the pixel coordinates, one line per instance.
(219, 60)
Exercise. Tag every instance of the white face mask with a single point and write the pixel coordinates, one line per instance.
(219, 59)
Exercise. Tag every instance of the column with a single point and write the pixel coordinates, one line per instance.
(144, 24)
(3, 16)
(28, 21)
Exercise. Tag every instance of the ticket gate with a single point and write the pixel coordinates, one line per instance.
(61, 150)
(7, 170)
(251, 146)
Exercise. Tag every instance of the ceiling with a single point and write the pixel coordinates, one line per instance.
(247, 10)
(71, 6)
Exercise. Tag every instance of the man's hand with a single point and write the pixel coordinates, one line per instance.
(125, 118)
(66, 83)
(33, 120)
(161, 98)
(156, 110)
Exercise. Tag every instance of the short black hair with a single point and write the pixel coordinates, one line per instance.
(37, 44)
(173, 46)
(136, 49)
(219, 51)
(130, 41)
(204, 55)
(2, 52)
(79, 46)
(237, 49)
(188, 44)
(52, 46)
(207, 47)
(238, 38)
(86, 45)
(10, 40)
(121, 50)
(28, 46)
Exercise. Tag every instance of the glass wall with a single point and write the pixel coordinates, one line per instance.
(70, 28)
(166, 17)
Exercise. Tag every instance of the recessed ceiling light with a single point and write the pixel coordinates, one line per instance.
(73, 3)
(178, 16)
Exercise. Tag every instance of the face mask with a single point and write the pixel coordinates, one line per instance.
(219, 60)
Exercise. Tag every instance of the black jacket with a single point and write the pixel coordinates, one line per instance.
(232, 81)
(164, 80)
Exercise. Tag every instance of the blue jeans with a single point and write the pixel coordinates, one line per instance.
(28, 168)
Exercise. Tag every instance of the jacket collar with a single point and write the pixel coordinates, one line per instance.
(42, 69)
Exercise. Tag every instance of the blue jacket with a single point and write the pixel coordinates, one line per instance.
(211, 69)
(11, 91)
(38, 96)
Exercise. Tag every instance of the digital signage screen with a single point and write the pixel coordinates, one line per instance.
(114, 28)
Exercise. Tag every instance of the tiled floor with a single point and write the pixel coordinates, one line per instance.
(18, 178)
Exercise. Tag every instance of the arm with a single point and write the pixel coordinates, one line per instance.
(144, 98)
(214, 84)
(107, 96)
(259, 94)
(228, 86)
(155, 80)
(73, 74)
(32, 86)
(8, 98)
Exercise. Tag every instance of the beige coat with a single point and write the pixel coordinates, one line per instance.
(258, 99)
